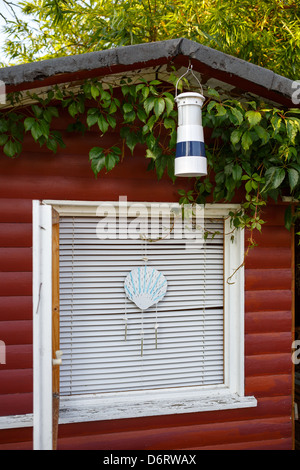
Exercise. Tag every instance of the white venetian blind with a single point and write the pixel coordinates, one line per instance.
(96, 356)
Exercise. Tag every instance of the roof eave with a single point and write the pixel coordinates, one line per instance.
(243, 75)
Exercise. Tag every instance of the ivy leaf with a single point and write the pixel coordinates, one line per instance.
(246, 140)
(169, 123)
(145, 92)
(73, 110)
(47, 115)
(248, 186)
(228, 169)
(3, 125)
(53, 111)
(111, 121)
(160, 165)
(92, 119)
(58, 137)
(141, 115)
(288, 218)
(155, 82)
(294, 110)
(149, 104)
(93, 111)
(238, 115)
(151, 122)
(237, 173)
(131, 138)
(127, 108)
(159, 106)
(169, 105)
(150, 154)
(212, 92)
(140, 87)
(173, 139)
(211, 105)
(219, 178)
(247, 168)
(293, 176)
(37, 110)
(221, 109)
(153, 90)
(97, 158)
(131, 141)
(262, 133)
(169, 95)
(36, 130)
(111, 160)
(151, 141)
(236, 136)
(102, 124)
(112, 107)
(129, 117)
(95, 92)
(125, 89)
(276, 123)
(292, 127)
(274, 177)
(76, 127)
(295, 165)
(254, 117)
(105, 96)
(12, 148)
(52, 145)
(28, 123)
(171, 169)
(9, 149)
(3, 139)
(44, 126)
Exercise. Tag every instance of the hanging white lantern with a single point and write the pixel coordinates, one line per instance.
(190, 157)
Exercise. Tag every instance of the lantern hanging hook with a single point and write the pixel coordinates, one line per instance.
(189, 70)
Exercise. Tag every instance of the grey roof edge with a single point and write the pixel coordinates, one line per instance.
(123, 55)
(144, 53)
(240, 68)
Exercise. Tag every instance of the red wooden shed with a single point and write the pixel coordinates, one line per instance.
(236, 391)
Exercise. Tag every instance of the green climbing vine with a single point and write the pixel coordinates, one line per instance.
(253, 149)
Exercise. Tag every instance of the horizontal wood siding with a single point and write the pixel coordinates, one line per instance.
(268, 320)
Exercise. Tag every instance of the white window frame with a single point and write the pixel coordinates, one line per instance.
(97, 407)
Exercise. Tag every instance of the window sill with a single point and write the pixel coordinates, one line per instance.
(148, 403)
(86, 408)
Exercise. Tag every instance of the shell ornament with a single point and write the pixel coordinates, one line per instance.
(145, 286)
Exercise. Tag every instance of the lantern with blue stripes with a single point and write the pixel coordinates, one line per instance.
(190, 157)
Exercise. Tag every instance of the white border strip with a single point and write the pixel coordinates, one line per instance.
(42, 325)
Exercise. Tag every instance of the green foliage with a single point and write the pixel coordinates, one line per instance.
(254, 149)
(265, 33)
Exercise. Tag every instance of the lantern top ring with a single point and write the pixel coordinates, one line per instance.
(189, 70)
(189, 97)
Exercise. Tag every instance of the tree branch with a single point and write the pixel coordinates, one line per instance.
(10, 6)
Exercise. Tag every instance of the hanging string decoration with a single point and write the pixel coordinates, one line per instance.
(145, 286)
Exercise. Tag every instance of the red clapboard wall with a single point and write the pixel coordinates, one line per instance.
(38, 174)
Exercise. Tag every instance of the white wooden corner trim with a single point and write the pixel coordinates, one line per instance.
(234, 308)
(42, 326)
